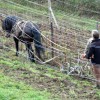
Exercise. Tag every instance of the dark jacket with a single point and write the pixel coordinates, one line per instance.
(94, 50)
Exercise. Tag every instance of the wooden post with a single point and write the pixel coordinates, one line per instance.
(52, 38)
(51, 25)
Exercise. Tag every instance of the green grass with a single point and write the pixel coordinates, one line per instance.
(23, 11)
(12, 90)
(75, 21)
(19, 8)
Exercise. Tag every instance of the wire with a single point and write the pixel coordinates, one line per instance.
(31, 37)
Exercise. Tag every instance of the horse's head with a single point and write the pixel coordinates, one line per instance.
(3, 24)
(8, 23)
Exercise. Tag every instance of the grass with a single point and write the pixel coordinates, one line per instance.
(12, 90)
(75, 21)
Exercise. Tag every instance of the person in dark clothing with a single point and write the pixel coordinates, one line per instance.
(94, 54)
(89, 43)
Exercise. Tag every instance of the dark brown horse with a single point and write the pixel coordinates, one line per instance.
(24, 31)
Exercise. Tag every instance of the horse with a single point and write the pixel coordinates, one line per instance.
(26, 32)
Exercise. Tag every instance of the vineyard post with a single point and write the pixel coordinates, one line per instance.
(51, 25)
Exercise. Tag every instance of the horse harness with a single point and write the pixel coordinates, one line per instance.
(18, 31)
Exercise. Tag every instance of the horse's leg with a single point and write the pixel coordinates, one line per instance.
(16, 45)
(38, 52)
(30, 52)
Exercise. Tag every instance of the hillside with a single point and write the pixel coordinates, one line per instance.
(22, 80)
(86, 8)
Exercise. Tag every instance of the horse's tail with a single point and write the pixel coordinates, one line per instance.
(37, 43)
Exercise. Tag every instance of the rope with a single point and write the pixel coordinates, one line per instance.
(44, 37)
(60, 46)
(33, 38)
(42, 34)
(49, 40)
(39, 60)
(37, 45)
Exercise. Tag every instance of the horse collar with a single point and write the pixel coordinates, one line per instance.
(18, 28)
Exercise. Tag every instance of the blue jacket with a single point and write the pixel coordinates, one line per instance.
(94, 50)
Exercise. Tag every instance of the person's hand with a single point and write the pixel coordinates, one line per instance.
(92, 56)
